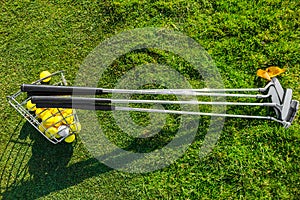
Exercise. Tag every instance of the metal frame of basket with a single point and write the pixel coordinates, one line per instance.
(19, 100)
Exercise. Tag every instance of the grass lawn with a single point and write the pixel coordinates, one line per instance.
(252, 159)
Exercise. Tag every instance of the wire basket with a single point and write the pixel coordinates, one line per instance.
(55, 124)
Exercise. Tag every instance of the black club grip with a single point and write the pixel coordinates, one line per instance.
(49, 90)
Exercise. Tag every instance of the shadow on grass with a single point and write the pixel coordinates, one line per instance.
(12, 160)
(47, 166)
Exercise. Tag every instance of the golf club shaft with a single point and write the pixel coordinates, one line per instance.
(149, 110)
(80, 100)
(190, 113)
(49, 90)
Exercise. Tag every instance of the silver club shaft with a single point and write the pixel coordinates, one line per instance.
(149, 110)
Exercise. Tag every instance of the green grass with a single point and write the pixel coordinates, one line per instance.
(253, 159)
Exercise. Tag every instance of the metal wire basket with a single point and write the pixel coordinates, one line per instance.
(56, 125)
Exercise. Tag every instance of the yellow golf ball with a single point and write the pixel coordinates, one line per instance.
(70, 138)
(76, 127)
(57, 120)
(56, 111)
(48, 119)
(67, 111)
(65, 115)
(30, 106)
(42, 128)
(40, 112)
(47, 134)
(69, 119)
(44, 74)
(51, 132)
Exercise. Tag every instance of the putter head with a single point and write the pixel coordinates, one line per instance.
(286, 105)
(275, 99)
(286, 108)
(275, 91)
(294, 107)
(278, 88)
(274, 83)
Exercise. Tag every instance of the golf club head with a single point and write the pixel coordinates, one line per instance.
(275, 99)
(287, 108)
(286, 105)
(286, 112)
(294, 107)
(266, 88)
(278, 88)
